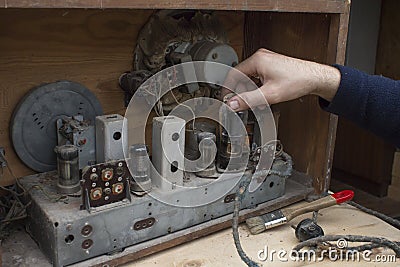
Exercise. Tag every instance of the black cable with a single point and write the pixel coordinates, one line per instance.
(368, 246)
(14, 205)
(375, 242)
(240, 193)
(383, 217)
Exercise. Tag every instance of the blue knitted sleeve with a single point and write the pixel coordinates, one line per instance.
(371, 101)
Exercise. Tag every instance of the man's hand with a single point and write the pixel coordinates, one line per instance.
(284, 78)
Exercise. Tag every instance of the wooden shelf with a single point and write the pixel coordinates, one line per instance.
(309, 6)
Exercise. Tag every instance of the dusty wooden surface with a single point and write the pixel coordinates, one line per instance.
(323, 6)
(218, 249)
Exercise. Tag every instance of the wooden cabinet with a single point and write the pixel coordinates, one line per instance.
(92, 41)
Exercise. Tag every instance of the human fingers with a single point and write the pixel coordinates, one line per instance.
(250, 99)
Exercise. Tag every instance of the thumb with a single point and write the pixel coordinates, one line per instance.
(247, 100)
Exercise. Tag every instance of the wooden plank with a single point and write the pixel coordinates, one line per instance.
(264, 5)
(322, 185)
(294, 192)
(376, 188)
(396, 164)
(395, 181)
(387, 58)
(92, 47)
(394, 192)
(319, 6)
(53, 4)
(362, 155)
(336, 53)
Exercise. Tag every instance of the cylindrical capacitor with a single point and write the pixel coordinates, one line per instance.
(208, 151)
(233, 144)
(68, 169)
(237, 137)
(232, 126)
(140, 167)
(191, 144)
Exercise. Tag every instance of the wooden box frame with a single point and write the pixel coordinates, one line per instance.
(91, 42)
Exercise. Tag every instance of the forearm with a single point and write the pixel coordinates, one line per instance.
(373, 102)
(327, 81)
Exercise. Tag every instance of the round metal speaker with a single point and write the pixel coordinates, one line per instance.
(33, 124)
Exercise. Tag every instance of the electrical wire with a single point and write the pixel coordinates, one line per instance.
(240, 195)
(16, 208)
(383, 217)
(375, 242)
(191, 110)
(13, 176)
(278, 148)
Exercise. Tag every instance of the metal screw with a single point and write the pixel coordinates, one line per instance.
(175, 136)
(93, 177)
